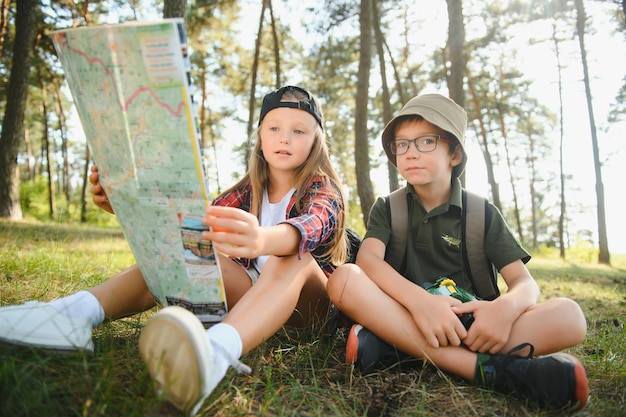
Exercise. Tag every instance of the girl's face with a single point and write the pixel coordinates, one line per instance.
(425, 168)
(287, 136)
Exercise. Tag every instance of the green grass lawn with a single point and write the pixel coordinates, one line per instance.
(296, 373)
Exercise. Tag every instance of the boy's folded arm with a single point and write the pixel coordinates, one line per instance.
(522, 289)
(371, 259)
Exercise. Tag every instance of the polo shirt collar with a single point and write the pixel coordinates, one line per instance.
(456, 198)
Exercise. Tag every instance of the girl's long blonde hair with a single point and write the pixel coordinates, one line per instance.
(317, 164)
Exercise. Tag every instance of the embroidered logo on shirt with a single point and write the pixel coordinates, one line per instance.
(451, 241)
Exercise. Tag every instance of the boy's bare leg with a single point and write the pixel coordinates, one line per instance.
(550, 326)
(400, 331)
(124, 294)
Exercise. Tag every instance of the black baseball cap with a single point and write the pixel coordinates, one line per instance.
(272, 101)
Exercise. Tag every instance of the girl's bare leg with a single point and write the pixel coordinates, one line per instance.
(236, 280)
(288, 291)
(124, 294)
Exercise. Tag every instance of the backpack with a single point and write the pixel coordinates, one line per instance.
(354, 243)
(480, 271)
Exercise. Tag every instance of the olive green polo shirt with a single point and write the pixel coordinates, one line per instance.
(433, 247)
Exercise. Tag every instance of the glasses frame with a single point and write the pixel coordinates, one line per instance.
(414, 142)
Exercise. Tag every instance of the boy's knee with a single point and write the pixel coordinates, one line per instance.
(573, 312)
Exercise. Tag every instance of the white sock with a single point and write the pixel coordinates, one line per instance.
(83, 304)
(227, 347)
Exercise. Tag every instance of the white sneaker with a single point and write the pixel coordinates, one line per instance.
(179, 357)
(38, 325)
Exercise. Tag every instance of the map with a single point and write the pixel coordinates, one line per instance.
(131, 87)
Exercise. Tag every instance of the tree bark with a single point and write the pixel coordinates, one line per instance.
(361, 134)
(253, 76)
(13, 122)
(174, 8)
(455, 46)
(387, 113)
(603, 256)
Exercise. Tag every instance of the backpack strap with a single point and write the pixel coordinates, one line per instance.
(480, 271)
(398, 212)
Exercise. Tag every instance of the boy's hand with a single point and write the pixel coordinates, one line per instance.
(492, 325)
(99, 197)
(437, 321)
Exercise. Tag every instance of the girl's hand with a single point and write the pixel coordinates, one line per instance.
(492, 325)
(99, 197)
(435, 318)
(234, 232)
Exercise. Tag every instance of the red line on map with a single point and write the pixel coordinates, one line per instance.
(133, 96)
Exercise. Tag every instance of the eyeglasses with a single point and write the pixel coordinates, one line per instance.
(426, 143)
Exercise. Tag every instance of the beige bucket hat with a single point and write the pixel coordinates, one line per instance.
(437, 109)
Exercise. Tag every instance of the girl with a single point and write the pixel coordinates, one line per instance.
(279, 232)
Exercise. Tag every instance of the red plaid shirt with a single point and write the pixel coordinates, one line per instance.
(316, 223)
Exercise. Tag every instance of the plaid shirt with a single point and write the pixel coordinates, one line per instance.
(316, 223)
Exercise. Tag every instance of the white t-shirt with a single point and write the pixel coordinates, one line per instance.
(272, 214)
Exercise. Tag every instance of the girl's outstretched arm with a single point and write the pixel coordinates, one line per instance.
(237, 234)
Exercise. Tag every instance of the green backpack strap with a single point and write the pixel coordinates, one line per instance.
(398, 212)
(480, 271)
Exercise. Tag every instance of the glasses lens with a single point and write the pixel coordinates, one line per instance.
(426, 143)
(399, 146)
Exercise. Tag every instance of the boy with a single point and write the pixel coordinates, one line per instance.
(425, 141)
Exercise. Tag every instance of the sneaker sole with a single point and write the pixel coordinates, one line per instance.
(175, 351)
(352, 345)
(582, 385)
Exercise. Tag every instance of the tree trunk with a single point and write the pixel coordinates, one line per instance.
(48, 158)
(277, 70)
(603, 256)
(361, 134)
(484, 147)
(253, 75)
(563, 206)
(174, 8)
(510, 169)
(387, 113)
(455, 46)
(4, 22)
(532, 180)
(13, 121)
(62, 126)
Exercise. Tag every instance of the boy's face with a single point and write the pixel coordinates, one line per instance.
(432, 168)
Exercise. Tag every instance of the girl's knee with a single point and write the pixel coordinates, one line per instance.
(338, 280)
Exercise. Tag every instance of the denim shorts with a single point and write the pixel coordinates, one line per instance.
(253, 274)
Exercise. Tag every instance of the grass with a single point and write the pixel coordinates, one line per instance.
(295, 373)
